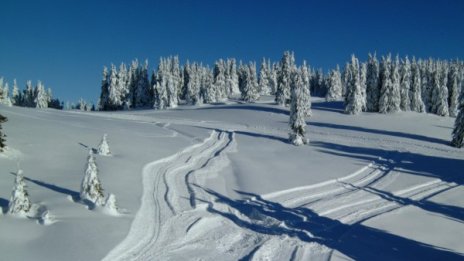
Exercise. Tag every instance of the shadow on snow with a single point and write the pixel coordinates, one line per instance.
(361, 243)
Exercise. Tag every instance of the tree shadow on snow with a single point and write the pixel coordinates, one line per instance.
(333, 106)
(361, 243)
(382, 132)
(74, 194)
(248, 107)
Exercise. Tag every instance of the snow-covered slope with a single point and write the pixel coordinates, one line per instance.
(222, 182)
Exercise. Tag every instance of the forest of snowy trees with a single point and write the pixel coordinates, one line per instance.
(392, 85)
(35, 97)
(385, 86)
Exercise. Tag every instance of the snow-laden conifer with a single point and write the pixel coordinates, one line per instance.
(16, 94)
(362, 81)
(395, 94)
(334, 86)
(41, 99)
(354, 96)
(439, 91)
(287, 65)
(416, 93)
(103, 148)
(91, 188)
(458, 131)
(305, 77)
(372, 84)
(20, 203)
(298, 107)
(405, 84)
(453, 89)
(250, 91)
(6, 96)
(264, 75)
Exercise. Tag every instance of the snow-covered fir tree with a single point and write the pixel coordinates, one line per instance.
(334, 86)
(362, 80)
(104, 94)
(395, 94)
(386, 85)
(264, 75)
(28, 95)
(250, 91)
(161, 93)
(91, 188)
(273, 77)
(416, 92)
(453, 89)
(41, 98)
(20, 203)
(114, 91)
(16, 94)
(353, 96)
(232, 78)
(103, 148)
(458, 131)
(305, 77)
(298, 107)
(287, 65)
(219, 81)
(110, 205)
(405, 84)
(440, 90)
(372, 84)
(3, 119)
(6, 100)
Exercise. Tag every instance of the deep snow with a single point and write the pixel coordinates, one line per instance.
(222, 182)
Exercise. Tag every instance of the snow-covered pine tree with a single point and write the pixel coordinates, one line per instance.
(28, 95)
(354, 96)
(103, 148)
(161, 95)
(20, 204)
(263, 81)
(362, 80)
(219, 81)
(3, 119)
(395, 94)
(91, 188)
(453, 88)
(440, 90)
(372, 84)
(16, 94)
(41, 100)
(305, 77)
(173, 81)
(298, 107)
(405, 84)
(114, 92)
(273, 77)
(232, 79)
(123, 88)
(206, 84)
(104, 94)
(6, 96)
(287, 65)
(458, 131)
(250, 85)
(386, 84)
(416, 93)
(334, 86)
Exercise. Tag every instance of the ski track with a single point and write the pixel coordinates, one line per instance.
(179, 218)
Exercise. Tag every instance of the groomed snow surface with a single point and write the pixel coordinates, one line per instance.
(222, 182)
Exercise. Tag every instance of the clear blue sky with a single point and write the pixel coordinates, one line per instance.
(66, 43)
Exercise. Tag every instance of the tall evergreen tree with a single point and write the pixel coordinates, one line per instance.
(395, 94)
(354, 96)
(458, 131)
(440, 90)
(334, 86)
(453, 89)
(263, 82)
(41, 100)
(363, 79)
(372, 84)
(416, 93)
(305, 77)
(298, 107)
(405, 84)
(16, 95)
(287, 65)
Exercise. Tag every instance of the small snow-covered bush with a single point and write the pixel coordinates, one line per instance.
(91, 188)
(20, 204)
(104, 148)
